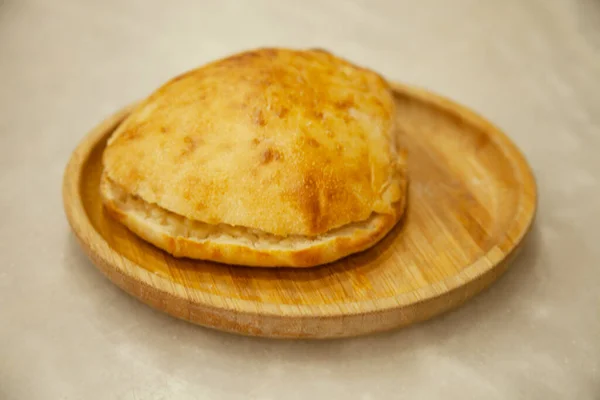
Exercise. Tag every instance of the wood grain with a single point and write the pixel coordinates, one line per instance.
(472, 199)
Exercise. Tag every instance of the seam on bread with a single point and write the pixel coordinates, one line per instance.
(178, 225)
(176, 235)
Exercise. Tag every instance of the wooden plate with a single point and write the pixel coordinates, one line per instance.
(472, 199)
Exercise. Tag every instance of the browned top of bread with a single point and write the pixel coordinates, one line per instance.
(285, 142)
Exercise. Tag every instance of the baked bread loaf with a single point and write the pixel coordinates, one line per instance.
(270, 157)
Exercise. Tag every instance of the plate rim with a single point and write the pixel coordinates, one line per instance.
(99, 250)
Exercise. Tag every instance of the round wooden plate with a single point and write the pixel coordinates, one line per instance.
(471, 201)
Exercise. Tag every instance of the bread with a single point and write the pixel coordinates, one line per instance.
(270, 157)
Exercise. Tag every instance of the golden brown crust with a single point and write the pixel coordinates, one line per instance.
(285, 142)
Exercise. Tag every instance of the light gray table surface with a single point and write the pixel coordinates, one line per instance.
(530, 66)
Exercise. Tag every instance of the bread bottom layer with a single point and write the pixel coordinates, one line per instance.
(183, 237)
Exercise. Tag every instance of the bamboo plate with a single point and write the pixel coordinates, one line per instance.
(472, 199)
